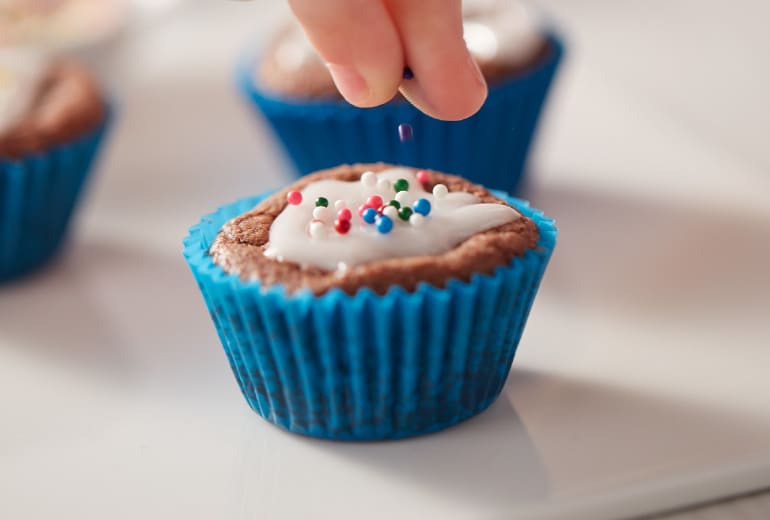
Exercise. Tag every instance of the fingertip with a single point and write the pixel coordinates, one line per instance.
(449, 100)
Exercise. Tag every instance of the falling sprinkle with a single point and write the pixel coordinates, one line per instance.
(408, 74)
(404, 132)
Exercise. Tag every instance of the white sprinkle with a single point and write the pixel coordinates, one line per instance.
(403, 198)
(338, 205)
(369, 179)
(416, 220)
(440, 191)
(317, 229)
(321, 213)
(390, 212)
(383, 185)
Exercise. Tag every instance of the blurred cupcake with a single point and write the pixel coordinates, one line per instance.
(371, 301)
(52, 119)
(292, 88)
(86, 29)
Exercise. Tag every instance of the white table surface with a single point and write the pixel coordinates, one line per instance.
(641, 382)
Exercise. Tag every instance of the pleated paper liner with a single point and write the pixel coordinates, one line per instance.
(489, 148)
(38, 194)
(368, 366)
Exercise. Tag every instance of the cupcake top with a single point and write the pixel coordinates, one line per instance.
(504, 36)
(373, 226)
(59, 24)
(43, 102)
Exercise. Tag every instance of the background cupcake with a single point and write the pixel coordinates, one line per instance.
(518, 56)
(86, 29)
(371, 302)
(52, 119)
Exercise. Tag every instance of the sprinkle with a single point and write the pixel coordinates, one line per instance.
(390, 212)
(369, 179)
(408, 74)
(384, 225)
(440, 191)
(405, 213)
(344, 214)
(416, 220)
(321, 213)
(339, 204)
(322, 201)
(404, 132)
(396, 204)
(369, 215)
(362, 209)
(294, 198)
(381, 209)
(422, 206)
(422, 177)
(342, 226)
(401, 185)
(375, 201)
(383, 185)
(403, 198)
(317, 229)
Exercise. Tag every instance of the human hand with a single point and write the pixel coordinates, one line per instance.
(367, 43)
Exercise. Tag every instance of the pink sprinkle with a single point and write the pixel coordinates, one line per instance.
(344, 214)
(422, 177)
(375, 201)
(294, 198)
(362, 208)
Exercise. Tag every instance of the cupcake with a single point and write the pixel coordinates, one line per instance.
(292, 88)
(371, 301)
(87, 29)
(52, 119)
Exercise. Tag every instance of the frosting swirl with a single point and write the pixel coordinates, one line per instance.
(21, 72)
(453, 217)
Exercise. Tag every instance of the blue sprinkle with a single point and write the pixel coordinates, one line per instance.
(422, 206)
(404, 132)
(369, 215)
(384, 224)
(408, 74)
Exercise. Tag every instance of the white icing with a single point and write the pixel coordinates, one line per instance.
(507, 30)
(453, 218)
(21, 71)
(504, 30)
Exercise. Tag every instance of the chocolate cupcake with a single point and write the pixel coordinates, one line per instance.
(52, 120)
(371, 301)
(292, 88)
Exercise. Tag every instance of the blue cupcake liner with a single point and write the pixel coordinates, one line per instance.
(368, 366)
(489, 148)
(38, 194)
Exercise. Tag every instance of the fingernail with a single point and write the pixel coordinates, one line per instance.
(416, 95)
(350, 83)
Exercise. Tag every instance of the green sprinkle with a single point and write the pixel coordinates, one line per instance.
(401, 185)
(322, 201)
(396, 204)
(405, 213)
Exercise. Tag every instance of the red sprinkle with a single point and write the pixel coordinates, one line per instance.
(422, 177)
(344, 214)
(362, 208)
(294, 198)
(342, 226)
(375, 201)
(381, 208)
